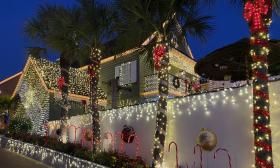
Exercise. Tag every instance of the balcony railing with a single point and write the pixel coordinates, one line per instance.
(151, 86)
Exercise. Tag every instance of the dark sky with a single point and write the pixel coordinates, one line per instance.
(228, 22)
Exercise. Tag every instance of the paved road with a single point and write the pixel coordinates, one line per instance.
(13, 160)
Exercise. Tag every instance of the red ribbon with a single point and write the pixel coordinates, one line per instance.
(259, 42)
(262, 128)
(60, 82)
(265, 146)
(260, 75)
(262, 94)
(253, 13)
(259, 59)
(263, 163)
(261, 112)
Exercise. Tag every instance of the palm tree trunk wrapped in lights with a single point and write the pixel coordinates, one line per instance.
(258, 14)
(161, 60)
(94, 71)
(64, 66)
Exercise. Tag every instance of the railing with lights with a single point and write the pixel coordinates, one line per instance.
(177, 85)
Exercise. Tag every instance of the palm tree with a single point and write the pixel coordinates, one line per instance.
(37, 52)
(138, 20)
(55, 26)
(258, 14)
(94, 31)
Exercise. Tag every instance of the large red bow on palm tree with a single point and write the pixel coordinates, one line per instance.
(158, 54)
(60, 82)
(253, 13)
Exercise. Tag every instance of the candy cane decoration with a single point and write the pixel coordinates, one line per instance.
(112, 139)
(137, 144)
(92, 140)
(83, 135)
(200, 150)
(121, 142)
(75, 131)
(176, 147)
(225, 150)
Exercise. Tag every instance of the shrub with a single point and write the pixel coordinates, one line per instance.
(105, 158)
(20, 125)
(109, 159)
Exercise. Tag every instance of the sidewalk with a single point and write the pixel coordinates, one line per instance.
(13, 160)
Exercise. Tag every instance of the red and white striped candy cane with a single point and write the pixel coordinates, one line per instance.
(200, 150)
(225, 150)
(112, 139)
(176, 147)
(121, 142)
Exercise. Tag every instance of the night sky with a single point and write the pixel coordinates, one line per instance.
(228, 22)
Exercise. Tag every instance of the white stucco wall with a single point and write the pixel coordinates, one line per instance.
(227, 113)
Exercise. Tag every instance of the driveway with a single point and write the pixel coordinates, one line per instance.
(13, 160)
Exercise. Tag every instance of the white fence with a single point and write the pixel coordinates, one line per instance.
(227, 113)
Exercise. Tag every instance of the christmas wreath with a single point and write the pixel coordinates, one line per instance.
(176, 82)
(128, 134)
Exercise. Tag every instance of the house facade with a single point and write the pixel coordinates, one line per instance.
(126, 79)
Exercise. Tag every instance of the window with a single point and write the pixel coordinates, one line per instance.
(127, 73)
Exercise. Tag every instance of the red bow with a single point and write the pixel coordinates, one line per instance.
(158, 54)
(60, 82)
(196, 87)
(253, 12)
(90, 71)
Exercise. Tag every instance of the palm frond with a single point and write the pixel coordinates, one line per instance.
(196, 25)
(37, 52)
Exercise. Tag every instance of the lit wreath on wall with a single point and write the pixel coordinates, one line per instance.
(128, 134)
(176, 82)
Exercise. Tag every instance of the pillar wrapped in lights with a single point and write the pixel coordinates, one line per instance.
(63, 83)
(258, 14)
(93, 72)
(161, 63)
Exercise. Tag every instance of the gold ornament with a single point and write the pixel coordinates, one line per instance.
(207, 139)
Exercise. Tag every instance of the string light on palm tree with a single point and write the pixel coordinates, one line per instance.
(93, 72)
(161, 64)
(258, 15)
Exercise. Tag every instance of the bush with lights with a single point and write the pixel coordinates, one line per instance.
(109, 159)
(19, 125)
